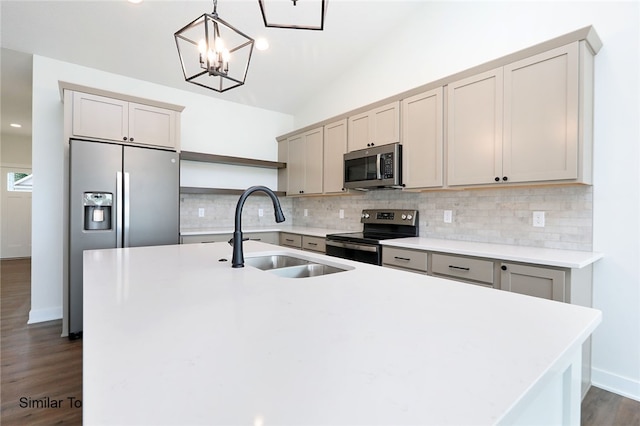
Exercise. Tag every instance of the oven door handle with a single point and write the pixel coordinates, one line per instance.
(361, 247)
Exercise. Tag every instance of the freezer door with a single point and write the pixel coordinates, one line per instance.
(94, 168)
(151, 200)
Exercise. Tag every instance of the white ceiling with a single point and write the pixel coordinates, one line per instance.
(137, 41)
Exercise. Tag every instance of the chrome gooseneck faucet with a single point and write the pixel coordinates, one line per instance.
(238, 255)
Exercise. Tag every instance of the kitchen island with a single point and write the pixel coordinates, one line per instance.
(174, 335)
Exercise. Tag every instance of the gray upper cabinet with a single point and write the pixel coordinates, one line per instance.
(100, 117)
(305, 163)
(529, 121)
(474, 125)
(378, 126)
(541, 96)
(523, 119)
(335, 146)
(422, 140)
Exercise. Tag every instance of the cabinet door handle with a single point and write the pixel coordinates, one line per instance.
(406, 259)
(497, 179)
(124, 138)
(131, 139)
(504, 178)
(461, 268)
(503, 267)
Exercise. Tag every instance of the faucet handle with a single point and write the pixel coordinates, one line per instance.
(231, 240)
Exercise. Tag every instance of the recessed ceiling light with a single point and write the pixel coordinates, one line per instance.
(16, 125)
(262, 43)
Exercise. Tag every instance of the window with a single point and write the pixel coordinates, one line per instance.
(21, 182)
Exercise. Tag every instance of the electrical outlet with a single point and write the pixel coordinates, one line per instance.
(260, 212)
(341, 214)
(448, 216)
(200, 212)
(306, 212)
(538, 219)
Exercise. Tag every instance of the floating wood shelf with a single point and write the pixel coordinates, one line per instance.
(236, 161)
(221, 191)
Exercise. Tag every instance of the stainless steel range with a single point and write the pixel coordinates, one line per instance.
(379, 225)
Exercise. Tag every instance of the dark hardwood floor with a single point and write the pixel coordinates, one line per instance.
(41, 370)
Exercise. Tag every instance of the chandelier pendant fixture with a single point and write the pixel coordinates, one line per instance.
(213, 53)
(294, 14)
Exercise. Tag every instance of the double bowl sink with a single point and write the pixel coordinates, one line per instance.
(292, 267)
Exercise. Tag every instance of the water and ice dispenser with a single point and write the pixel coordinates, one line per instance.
(97, 211)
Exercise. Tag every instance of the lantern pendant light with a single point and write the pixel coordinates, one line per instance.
(294, 14)
(214, 54)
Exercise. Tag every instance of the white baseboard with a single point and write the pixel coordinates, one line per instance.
(43, 315)
(617, 384)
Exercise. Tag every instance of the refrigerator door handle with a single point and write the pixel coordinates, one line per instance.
(127, 187)
(119, 203)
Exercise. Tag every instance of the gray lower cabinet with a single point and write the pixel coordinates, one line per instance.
(304, 242)
(548, 282)
(207, 238)
(463, 268)
(535, 281)
(266, 237)
(290, 240)
(410, 260)
(316, 244)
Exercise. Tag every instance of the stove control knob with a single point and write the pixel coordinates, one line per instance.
(404, 216)
(409, 217)
(365, 215)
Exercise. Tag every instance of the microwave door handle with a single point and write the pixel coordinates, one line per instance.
(378, 164)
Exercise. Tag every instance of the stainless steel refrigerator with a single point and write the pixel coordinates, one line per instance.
(119, 196)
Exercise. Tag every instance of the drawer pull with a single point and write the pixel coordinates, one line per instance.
(460, 268)
(312, 244)
(289, 240)
(402, 258)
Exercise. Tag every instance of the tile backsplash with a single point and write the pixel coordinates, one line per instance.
(502, 215)
(219, 211)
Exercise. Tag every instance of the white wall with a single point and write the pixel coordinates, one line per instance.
(208, 125)
(451, 36)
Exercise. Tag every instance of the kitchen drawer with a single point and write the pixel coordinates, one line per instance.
(210, 238)
(313, 243)
(464, 268)
(290, 240)
(404, 259)
(265, 237)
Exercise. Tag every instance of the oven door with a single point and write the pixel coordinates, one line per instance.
(366, 253)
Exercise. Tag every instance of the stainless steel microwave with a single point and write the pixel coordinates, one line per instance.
(374, 167)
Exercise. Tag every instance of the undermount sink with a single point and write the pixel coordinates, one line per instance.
(274, 261)
(308, 270)
(292, 267)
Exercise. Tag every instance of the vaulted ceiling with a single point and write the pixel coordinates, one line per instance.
(136, 40)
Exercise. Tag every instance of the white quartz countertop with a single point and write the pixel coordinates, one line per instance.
(173, 335)
(535, 255)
